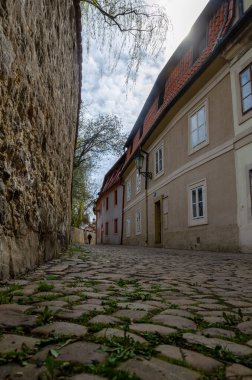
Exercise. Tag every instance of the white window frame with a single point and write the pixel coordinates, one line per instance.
(203, 143)
(128, 190)
(197, 220)
(128, 227)
(138, 182)
(138, 221)
(157, 170)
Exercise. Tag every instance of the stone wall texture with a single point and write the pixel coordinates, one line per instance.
(40, 59)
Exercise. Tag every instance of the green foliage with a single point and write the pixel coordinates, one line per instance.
(44, 287)
(135, 28)
(120, 349)
(6, 295)
(19, 357)
(46, 316)
(232, 319)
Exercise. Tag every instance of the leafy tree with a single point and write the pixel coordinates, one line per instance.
(132, 27)
(97, 137)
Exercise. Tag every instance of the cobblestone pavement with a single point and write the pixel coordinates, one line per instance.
(126, 313)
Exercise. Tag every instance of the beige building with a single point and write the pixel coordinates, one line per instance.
(195, 135)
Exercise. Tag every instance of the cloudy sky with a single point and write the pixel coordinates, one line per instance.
(105, 92)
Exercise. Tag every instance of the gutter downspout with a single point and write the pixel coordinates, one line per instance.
(146, 199)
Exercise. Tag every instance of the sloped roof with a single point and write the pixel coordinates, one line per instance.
(113, 176)
(180, 71)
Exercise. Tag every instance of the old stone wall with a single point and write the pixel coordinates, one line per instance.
(39, 101)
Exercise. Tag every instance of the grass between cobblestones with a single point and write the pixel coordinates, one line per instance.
(118, 349)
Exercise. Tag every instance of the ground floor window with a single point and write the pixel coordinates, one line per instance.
(106, 228)
(197, 203)
(138, 222)
(116, 226)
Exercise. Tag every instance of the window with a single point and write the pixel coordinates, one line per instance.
(250, 187)
(246, 89)
(106, 228)
(107, 203)
(197, 203)
(138, 182)
(115, 226)
(115, 197)
(159, 160)
(138, 222)
(161, 97)
(198, 133)
(128, 227)
(128, 190)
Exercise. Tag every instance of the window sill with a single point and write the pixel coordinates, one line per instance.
(198, 147)
(197, 222)
(156, 176)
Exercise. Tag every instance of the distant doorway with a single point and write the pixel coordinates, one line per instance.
(158, 234)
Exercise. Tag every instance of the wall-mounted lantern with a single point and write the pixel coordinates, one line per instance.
(139, 161)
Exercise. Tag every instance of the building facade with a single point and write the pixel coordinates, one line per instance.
(195, 133)
(109, 207)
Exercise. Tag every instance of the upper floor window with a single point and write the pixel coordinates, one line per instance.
(138, 182)
(197, 203)
(159, 160)
(128, 190)
(198, 130)
(246, 88)
(115, 197)
(107, 203)
(138, 222)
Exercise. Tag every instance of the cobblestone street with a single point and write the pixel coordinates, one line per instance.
(129, 313)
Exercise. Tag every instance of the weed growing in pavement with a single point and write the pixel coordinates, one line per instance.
(200, 322)
(147, 318)
(231, 319)
(138, 296)
(46, 316)
(173, 306)
(96, 327)
(47, 297)
(19, 357)
(120, 349)
(6, 295)
(44, 287)
(110, 306)
(218, 373)
(85, 317)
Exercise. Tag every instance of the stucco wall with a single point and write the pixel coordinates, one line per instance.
(221, 231)
(113, 212)
(39, 100)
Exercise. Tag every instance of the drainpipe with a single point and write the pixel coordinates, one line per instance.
(146, 199)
